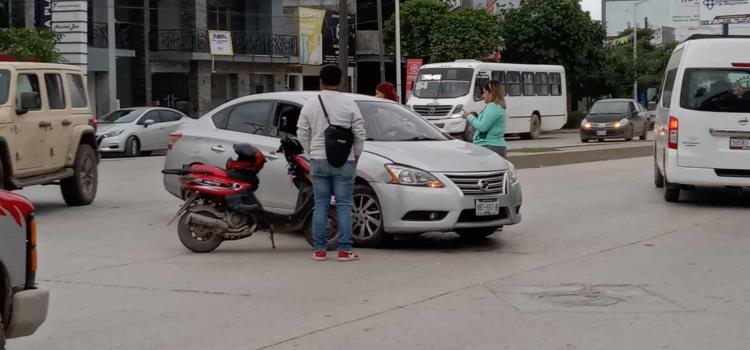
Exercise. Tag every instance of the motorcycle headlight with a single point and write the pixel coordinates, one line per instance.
(403, 175)
(512, 174)
(114, 133)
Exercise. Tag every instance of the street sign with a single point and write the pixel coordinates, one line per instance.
(724, 11)
(221, 43)
(412, 69)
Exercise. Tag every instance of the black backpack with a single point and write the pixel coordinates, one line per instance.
(339, 141)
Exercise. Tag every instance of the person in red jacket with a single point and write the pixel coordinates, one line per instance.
(387, 91)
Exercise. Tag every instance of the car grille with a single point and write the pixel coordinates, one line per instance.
(479, 183)
(433, 110)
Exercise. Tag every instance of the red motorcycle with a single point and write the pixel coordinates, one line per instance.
(221, 204)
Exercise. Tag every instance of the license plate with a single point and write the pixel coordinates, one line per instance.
(487, 207)
(739, 143)
(601, 133)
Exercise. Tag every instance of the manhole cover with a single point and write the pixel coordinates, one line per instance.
(581, 298)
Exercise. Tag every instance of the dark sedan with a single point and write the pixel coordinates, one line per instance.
(614, 119)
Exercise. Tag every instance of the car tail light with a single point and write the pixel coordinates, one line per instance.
(94, 122)
(741, 64)
(674, 128)
(173, 138)
(31, 254)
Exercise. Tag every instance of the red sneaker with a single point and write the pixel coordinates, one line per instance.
(348, 256)
(319, 255)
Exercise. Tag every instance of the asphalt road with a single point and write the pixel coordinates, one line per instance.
(600, 262)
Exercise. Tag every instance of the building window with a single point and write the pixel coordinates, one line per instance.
(219, 18)
(528, 84)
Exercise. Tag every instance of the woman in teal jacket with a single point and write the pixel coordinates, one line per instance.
(490, 124)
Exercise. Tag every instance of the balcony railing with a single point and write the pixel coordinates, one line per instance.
(244, 43)
(98, 36)
(128, 36)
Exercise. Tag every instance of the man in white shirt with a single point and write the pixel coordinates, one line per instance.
(329, 180)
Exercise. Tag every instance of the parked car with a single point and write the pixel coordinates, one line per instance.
(411, 179)
(138, 130)
(615, 119)
(46, 130)
(703, 124)
(23, 305)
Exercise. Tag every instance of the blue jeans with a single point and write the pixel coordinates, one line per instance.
(328, 181)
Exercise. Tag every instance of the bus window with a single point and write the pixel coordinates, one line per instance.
(481, 81)
(499, 76)
(555, 84)
(528, 84)
(541, 84)
(514, 84)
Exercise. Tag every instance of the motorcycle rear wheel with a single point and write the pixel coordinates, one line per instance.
(192, 236)
(332, 231)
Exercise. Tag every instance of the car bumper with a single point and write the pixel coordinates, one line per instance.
(458, 209)
(110, 144)
(609, 133)
(704, 177)
(29, 312)
(451, 125)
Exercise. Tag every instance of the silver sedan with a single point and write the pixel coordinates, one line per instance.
(138, 130)
(411, 179)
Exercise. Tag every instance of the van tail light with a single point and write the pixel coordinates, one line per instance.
(31, 254)
(173, 138)
(674, 132)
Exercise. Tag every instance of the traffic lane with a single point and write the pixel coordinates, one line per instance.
(300, 296)
(563, 138)
(682, 289)
(125, 224)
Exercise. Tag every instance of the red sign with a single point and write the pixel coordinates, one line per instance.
(412, 69)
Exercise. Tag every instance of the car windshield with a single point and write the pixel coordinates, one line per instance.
(386, 121)
(611, 107)
(4, 85)
(443, 82)
(716, 90)
(120, 116)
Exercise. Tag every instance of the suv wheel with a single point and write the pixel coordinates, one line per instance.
(80, 189)
(671, 192)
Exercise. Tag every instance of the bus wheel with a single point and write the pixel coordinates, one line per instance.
(535, 128)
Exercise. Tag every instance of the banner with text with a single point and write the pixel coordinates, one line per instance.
(724, 11)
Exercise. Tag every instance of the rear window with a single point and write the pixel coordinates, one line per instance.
(4, 85)
(716, 90)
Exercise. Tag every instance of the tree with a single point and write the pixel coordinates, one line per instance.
(30, 44)
(431, 31)
(557, 32)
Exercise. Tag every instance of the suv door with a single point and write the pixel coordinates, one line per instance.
(57, 135)
(30, 126)
(250, 122)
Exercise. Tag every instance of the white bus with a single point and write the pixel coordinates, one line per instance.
(535, 94)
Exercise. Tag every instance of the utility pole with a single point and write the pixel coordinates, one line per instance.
(398, 50)
(380, 40)
(344, 43)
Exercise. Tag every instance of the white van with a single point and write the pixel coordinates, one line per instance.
(536, 95)
(703, 118)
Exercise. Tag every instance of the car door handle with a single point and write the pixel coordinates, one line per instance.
(44, 124)
(219, 149)
(66, 122)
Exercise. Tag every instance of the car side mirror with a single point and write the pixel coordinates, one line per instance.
(149, 122)
(28, 101)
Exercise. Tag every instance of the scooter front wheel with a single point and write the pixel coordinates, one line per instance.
(332, 231)
(198, 239)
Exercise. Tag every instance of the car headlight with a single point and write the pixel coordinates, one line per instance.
(457, 112)
(512, 174)
(403, 175)
(114, 133)
(585, 124)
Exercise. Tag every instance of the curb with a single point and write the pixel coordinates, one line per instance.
(540, 160)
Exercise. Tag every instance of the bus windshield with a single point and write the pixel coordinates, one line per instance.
(443, 82)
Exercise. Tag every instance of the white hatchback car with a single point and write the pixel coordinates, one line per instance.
(138, 130)
(703, 123)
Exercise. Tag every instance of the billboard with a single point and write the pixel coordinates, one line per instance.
(331, 38)
(685, 12)
(724, 11)
(43, 13)
(310, 36)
